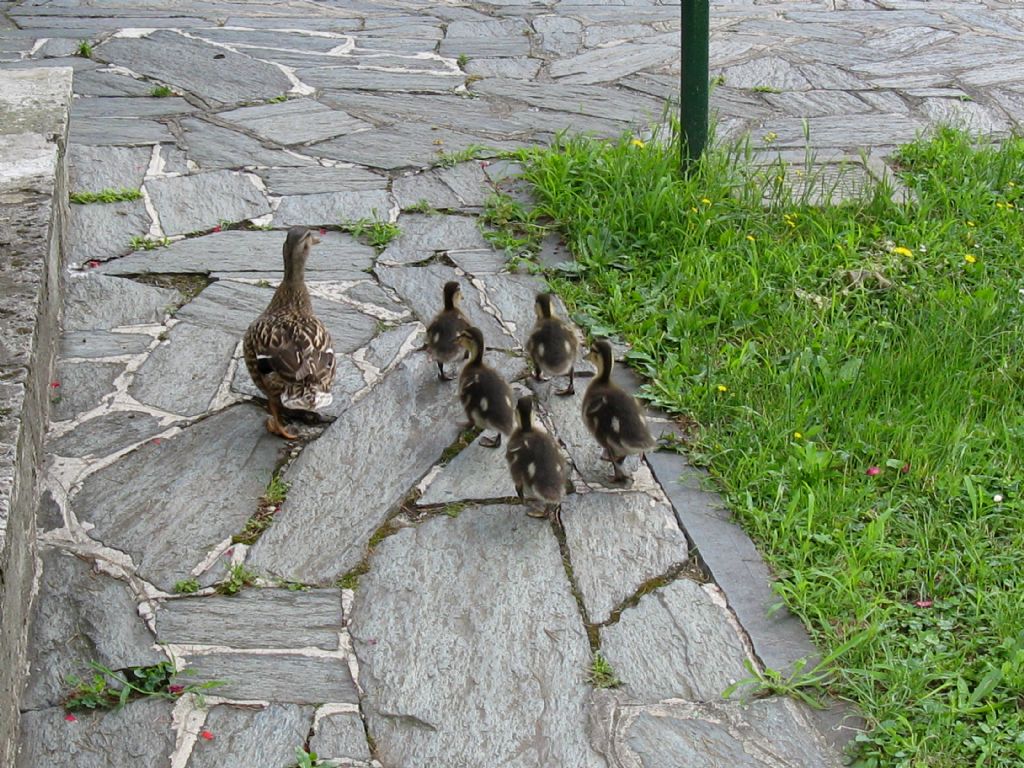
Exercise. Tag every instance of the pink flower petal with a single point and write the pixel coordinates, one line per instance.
(54, 384)
(92, 264)
(923, 603)
(175, 688)
(206, 735)
(872, 471)
(216, 229)
(323, 231)
(905, 468)
(229, 552)
(70, 718)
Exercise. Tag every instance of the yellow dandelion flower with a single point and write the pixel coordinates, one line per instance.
(638, 143)
(705, 200)
(970, 258)
(722, 388)
(750, 238)
(769, 137)
(693, 209)
(1000, 204)
(970, 224)
(791, 223)
(797, 435)
(899, 250)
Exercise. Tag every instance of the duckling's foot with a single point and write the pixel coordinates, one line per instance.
(605, 456)
(620, 477)
(442, 375)
(537, 375)
(491, 442)
(275, 427)
(538, 512)
(570, 388)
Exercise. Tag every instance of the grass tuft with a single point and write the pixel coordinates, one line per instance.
(854, 372)
(84, 49)
(161, 92)
(187, 586)
(376, 232)
(238, 577)
(601, 673)
(105, 196)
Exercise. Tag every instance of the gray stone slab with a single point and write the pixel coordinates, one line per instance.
(605, 65)
(601, 34)
(383, 351)
(244, 737)
(405, 145)
(101, 231)
(617, 543)
(80, 616)
(558, 34)
(279, 677)
(297, 121)
(421, 288)
(676, 643)
(479, 262)
(475, 474)
(767, 72)
(104, 83)
(497, 37)
(95, 168)
(231, 307)
(778, 637)
(93, 343)
(120, 106)
(35, 101)
(96, 301)
(213, 146)
(193, 203)
(80, 386)
(845, 131)
(514, 297)
(968, 116)
(351, 78)
(816, 103)
(340, 509)
(515, 68)
(316, 179)
(340, 735)
(106, 434)
(424, 235)
(119, 131)
(468, 626)
(488, 120)
(138, 736)
(463, 185)
(339, 256)
(183, 373)
(763, 734)
(332, 208)
(254, 618)
(215, 74)
(591, 100)
(375, 298)
(207, 480)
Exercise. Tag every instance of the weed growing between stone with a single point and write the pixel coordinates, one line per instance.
(376, 232)
(238, 577)
(601, 673)
(112, 690)
(854, 372)
(161, 92)
(187, 586)
(105, 196)
(142, 243)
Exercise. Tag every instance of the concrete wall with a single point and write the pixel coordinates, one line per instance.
(34, 105)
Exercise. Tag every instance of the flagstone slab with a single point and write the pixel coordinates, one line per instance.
(105, 83)
(92, 169)
(332, 208)
(192, 203)
(106, 434)
(298, 121)
(249, 253)
(676, 643)
(603, 65)
(558, 34)
(94, 343)
(340, 735)
(476, 473)
(462, 186)
(119, 131)
(244, 737)
(79, 617)
(766, 733)
(467, 625)
(591, 100)
(421, 288)
(254, 618)
(213, 73)
(207, 481)
(100, 231)
(96, 301)
(213, 146)
(122, 106)
(182, 375)
(410, 414)
(423, 235)
(138, 736)
(618, 542)
(283, 678)
(317, 179)
(351, 78)
(496, 37)
(79, 386)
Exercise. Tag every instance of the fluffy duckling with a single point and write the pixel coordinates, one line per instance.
(538, 469)
(443, 331)
(288, 351)
(486, 396)
(552, 344)
(612, 415)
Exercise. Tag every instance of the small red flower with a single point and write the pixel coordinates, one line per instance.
(923, 603)
(905, 468)
(322, 231)
(156, 441)
(206, 735)
(229, 552)
(70, 718)
(54, 384)
(872, 471)
(216, 229)
(485, 163)
(92, 264)
(176, 688)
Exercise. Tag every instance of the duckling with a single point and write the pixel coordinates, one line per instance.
(552, 344)
(484, 394)
(288, 351)
(612, 415)
(442, 333)
(537, 467)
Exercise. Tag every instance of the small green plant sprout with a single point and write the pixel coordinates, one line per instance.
(305, 759)
(84, 49)
(472, 152)
(601, 673)
(765, 89)
(187, 586)
(278, 99)
(277, 490)
(463, 60)
(350, 580)
(112, 690)
(453, 509)
(375, 231)
(421, 206)
(105, 196)
(142, 243)
(161, 92)
(238, 577)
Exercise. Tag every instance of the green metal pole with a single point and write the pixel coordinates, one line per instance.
(693, 81)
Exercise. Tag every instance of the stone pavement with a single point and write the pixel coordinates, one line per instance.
(405, 612)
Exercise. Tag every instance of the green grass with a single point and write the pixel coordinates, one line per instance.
(238, 577)
(112, 689)
(142, 243)
(376, 232)
(186, 586)
(511, 227)
(161, 92)
(601, 673)
(84, 49)
(868, 436)
(105, 196)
